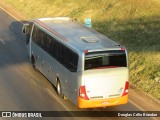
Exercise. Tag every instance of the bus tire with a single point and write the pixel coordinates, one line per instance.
(59, 89)
(33, 63)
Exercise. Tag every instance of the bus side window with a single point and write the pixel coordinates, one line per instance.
(72, 61)
(34, 34)
(45, 41)
(28, 32)
(64, 56)
(48, 44)
(54, 48)
(41, 43)
(59, 52)
(39, 38)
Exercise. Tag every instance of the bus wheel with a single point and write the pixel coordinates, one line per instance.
(59, 89)
(33, 63)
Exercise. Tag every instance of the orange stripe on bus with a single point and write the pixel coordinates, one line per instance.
(102, 102)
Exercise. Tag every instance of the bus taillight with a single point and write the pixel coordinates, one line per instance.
(82, 93)
(126, 89)
(86, 51)
(123, 49)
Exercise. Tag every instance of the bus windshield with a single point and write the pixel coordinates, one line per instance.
(105, 59)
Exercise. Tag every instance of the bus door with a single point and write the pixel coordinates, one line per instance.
(35, 47)
(28, 37)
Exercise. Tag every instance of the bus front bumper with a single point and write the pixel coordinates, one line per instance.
(102, 103)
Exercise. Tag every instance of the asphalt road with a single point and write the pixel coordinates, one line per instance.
(23, 89)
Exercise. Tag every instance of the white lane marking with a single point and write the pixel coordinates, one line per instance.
(10, 14)
(2, 41)
(139, 107)
(57, 99)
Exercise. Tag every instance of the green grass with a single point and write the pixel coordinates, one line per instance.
(134, 23)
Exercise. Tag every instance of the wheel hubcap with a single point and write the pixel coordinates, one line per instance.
(59, 89)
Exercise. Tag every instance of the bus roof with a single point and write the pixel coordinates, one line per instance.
(77, 35)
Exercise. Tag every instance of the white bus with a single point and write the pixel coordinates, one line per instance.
(85, 66)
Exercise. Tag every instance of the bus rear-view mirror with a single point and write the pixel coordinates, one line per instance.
(24, 28)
